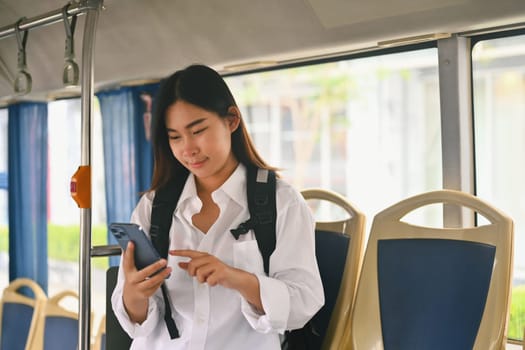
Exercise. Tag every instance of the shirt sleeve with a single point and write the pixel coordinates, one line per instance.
(140, 216)
(293, 291)
(133, 329)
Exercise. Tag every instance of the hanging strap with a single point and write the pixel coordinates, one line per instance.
(23, 81)
(70, 75)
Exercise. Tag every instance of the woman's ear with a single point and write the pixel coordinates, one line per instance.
(233, 118)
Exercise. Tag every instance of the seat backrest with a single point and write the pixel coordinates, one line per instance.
(339, 252)
(19, 313)
(116, 338)
(100, 337)
(58, 328)
(434, 288)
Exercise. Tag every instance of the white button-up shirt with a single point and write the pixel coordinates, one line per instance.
(218, 318)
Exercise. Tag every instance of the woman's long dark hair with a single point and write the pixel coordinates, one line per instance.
(205, 88)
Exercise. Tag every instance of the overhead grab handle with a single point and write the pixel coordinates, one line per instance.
(23, 80)
(71, 72)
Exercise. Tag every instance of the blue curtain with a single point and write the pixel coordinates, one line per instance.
(128, 156)
(27, 191)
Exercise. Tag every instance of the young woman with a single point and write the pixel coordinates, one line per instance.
(220, 296)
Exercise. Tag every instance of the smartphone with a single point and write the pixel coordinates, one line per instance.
(145, 252)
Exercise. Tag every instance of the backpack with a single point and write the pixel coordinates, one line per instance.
(261, 185)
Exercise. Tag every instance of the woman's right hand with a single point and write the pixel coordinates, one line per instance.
(139, 285)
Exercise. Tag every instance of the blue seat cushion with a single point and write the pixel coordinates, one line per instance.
(16, 321)
(331, 249)
(60, 333)
(432, 292)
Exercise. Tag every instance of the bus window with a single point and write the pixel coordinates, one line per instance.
(367, 128)
(499, 119)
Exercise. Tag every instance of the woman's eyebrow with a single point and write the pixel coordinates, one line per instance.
(195, 122)
(190, 125)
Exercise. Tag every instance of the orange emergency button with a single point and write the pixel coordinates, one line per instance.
(80, 186)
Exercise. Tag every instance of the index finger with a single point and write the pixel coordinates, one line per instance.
(189, 253)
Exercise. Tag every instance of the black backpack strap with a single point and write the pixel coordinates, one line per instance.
(164, 203)
(261, 185)
(168, 318)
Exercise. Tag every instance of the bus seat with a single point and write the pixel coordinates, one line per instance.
(100, 336)
(58, 328)
(340, 228)
(19, 314)
(116, 338)
(434, 288)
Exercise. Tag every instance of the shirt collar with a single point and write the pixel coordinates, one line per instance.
(234, 187)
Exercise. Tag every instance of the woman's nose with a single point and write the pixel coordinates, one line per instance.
(190, 149)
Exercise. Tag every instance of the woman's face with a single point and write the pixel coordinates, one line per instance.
(201, 141)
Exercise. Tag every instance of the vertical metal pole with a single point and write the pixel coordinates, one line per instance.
(456, 124)
(87, 95)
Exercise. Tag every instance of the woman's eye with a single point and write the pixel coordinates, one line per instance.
(174, 137)
(199, 131)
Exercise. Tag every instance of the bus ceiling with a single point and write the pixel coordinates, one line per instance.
(145, 40)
